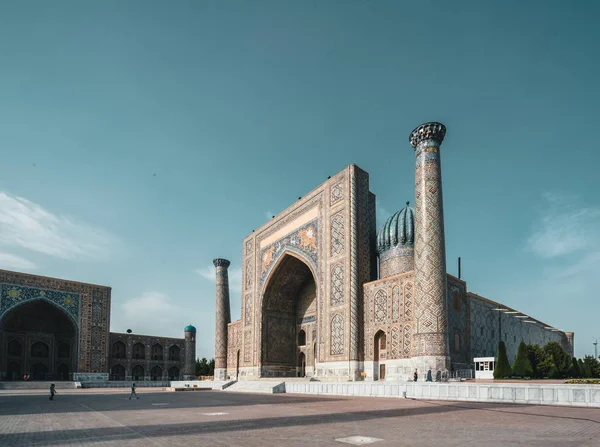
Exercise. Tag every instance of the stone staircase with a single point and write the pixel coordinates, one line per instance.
(38, 385)
(257, 386)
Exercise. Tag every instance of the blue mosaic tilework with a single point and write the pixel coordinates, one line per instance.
(304, 239)
(13, 295)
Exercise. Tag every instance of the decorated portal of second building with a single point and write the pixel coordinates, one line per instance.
(325, 295)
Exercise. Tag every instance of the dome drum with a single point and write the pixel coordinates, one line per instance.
(396, 260)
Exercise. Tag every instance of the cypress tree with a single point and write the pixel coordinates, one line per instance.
(581, 369)
(502, 368)
(522, 366)
(575, 368)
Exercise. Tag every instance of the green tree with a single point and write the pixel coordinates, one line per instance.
(593, 366)
(574, 371)
(522, 366)
(211, 367)
(557, 356)
(202, 367)
(502, 368)
(581, 369)
(536, 357)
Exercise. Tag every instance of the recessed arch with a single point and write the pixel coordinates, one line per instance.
(118, 350)
(117, 372)
(156, 352)
(174, 353)
(156, 373)
(14, 307)
(289, 309)
(298, 254)
(138, 373)
(139, 351)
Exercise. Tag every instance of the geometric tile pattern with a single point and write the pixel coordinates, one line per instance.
(408, 293)
(223, 316)
(248, 274)
(395, 342)
(337, 284)
(431, 324)
(248, 309)
(337, 193)
(381, 305)
(247, 346)
(337, 234)
(337, 335)
(407, 340)
(396, 303)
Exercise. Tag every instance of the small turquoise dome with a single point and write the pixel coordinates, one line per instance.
(399, 229)
(190, 328)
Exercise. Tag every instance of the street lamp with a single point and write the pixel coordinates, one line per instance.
(595, 347)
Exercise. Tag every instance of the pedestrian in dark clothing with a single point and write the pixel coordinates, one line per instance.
(416, 375)
(52, 391)
(133, 392)
(429, 378)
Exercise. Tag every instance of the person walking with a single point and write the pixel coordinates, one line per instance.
(52, 391)
(429, 378)
(416, 375)
(133, 393)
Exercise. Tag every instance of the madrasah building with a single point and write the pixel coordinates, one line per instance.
(326, 295)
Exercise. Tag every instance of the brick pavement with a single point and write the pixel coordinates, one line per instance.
(107, 418)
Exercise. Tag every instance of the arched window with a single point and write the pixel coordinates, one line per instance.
(173, 373)
(457, 341)
(137, 373)
(139, 351)
(174, 353)
(302, 338)
(117, 372)
(119, 350)
(156, 373)
(14, 348)
(157, 352)
(63, 371)
(40, 350)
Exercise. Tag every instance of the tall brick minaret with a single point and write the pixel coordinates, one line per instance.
(223, 313)
(430, 330)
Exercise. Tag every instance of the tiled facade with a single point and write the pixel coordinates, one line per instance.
(312, 303)
(57, 329)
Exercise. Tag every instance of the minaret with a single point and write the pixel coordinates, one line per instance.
(189, 367)
(223, 318)
(430, 330)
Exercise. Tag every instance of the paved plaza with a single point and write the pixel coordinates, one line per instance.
(105, 417)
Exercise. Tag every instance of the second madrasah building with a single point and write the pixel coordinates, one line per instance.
(326, 295)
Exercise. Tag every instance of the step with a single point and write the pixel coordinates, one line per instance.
(257, 386)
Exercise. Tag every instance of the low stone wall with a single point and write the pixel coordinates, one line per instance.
(126, 384)
(535, 393)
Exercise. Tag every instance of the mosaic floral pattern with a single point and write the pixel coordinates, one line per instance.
(248, 274)
(337, 235)
(248, 347)
(380, 304)
(337, 285)
(13, 295)
(304, 239)
(337, 335)
(248, 247)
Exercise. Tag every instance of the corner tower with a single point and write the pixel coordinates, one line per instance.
(189, 367)
(223, 313)
(430, 331)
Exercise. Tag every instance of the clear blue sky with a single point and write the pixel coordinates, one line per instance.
(240, 107)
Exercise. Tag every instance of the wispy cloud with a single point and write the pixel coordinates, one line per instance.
(565, 227)
(12, 262)
(27, 225)
(235, 277)
(150, 313)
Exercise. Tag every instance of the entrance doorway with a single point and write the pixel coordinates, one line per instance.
(302, 365)
(379, 356)
(289, 316)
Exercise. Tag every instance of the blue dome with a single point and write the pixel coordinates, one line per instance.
(190, 328)
(399, 229)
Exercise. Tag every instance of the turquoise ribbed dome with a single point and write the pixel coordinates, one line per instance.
(190, 328)
(399, 229)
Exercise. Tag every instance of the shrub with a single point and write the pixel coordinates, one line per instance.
(522, 366)
(502, 368)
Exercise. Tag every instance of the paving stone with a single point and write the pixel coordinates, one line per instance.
(216, 418)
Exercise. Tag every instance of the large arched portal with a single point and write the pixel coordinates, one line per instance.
(39, 340)
(289, 310)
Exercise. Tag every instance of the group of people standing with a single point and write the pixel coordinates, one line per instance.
(428, 379)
